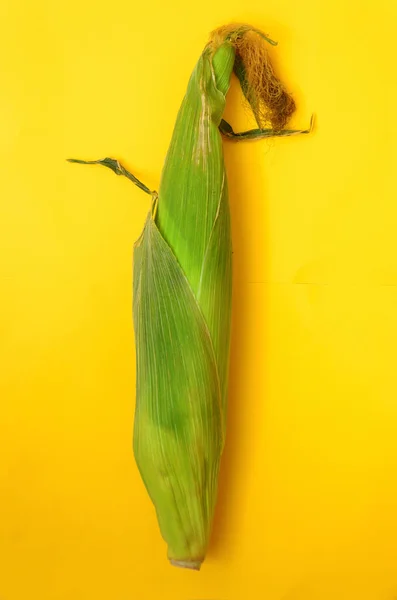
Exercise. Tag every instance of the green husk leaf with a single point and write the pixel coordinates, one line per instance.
(256, 134)
(116, 167)
(178, 433)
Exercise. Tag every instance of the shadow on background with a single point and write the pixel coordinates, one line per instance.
(243, 409)
(240, 407)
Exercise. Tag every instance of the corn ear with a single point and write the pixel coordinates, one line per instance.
(182, 290)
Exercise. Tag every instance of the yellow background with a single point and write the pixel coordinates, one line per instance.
(308, 493)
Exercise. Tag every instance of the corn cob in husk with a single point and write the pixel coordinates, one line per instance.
(183, 286)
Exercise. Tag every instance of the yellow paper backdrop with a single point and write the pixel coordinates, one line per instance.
(308, 493)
